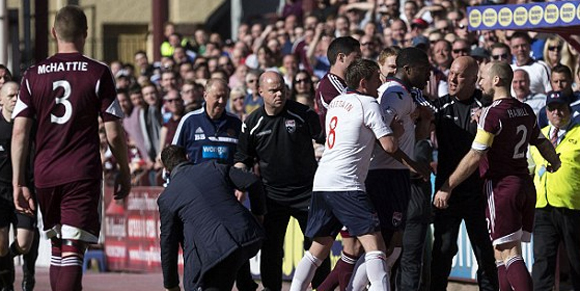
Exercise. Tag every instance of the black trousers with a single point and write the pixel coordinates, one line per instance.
(411, 269)
(471, 209)
(275, 223)
(222, 275)
(552, 226)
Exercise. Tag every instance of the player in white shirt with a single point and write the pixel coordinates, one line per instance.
(353, 122)
(388, 181)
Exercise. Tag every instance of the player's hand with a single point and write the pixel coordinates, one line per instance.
(475, 114)
(122, 186)
(240, 195)
(554, 167)
(23, 201)
(441, 198)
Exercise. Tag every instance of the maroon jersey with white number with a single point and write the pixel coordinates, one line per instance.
(65, 94)
(514, 127)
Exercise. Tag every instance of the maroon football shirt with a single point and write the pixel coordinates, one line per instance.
(514, 125)
(65, 94)
(329, 87)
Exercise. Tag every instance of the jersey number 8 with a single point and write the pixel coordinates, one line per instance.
(331, 133)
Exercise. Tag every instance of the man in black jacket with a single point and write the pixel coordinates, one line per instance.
(456, 129)
(199, 210)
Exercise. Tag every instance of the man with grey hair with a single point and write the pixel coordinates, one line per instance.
(210, 133)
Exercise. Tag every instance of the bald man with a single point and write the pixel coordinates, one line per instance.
(279, 136)
(25, 224)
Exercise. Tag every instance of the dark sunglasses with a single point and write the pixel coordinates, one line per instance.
(502, 56)
(462, 26)
(305, 80)
(456, 51)
(554, 48)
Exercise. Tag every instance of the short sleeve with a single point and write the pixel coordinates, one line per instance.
(24, 106)
(375, 120)
(107, 94)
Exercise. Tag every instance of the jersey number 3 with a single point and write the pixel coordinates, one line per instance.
(62, 100)
(331, 133)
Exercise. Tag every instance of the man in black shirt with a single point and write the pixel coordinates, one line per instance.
(279, 136)
(26, 232)
(456, 130)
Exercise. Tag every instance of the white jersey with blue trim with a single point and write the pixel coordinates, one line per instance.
(396, 100)
(353, 123)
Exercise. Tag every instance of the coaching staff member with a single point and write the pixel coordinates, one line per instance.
(279, 136)
(456, 130)
(198, 210)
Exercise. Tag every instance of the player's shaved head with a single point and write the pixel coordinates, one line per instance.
(503, 71)
(7, 86)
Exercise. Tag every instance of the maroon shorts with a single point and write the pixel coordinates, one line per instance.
(75, 204)
(511, 202)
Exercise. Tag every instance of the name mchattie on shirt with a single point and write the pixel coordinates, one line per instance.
(62, 67)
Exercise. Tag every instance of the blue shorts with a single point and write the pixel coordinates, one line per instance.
(389, 191)
(329, 211)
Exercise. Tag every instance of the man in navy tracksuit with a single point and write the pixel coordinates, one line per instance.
(210, 133)
(198, 210)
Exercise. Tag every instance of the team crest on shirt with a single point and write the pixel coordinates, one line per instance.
(397, 218)
(290, 125)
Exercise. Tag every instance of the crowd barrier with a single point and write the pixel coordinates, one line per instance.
(131, 240)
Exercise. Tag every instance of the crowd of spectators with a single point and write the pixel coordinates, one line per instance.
(156, 94)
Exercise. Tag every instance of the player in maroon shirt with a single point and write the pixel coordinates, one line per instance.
(65, 95)
(341, 52)
(505, 130)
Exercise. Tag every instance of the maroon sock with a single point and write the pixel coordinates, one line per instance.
(331, 281)
(340, 275)
(55, 262)
(504, 284)
(346, 269)
(71, 269)
(518, 275)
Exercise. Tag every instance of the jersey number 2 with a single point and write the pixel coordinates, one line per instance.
(519, 149)
(331, 133)
(62, 100)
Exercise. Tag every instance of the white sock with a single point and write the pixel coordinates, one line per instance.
(358, 280)
(377, 270)
(304, 272)
(392, 259)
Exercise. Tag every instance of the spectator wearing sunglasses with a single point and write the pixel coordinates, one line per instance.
(460, 48)
(553, 51)
(501, 52)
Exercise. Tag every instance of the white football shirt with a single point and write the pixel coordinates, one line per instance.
(395, 99)
(353, 123)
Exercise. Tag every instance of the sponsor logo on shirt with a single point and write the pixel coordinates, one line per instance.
(215, 152)
(199, 135)
(290, 125)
